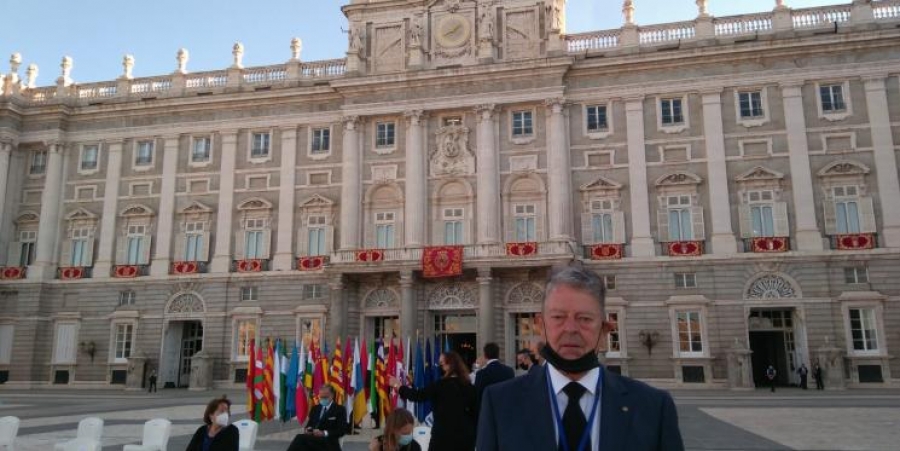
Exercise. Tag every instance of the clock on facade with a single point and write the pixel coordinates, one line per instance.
(453, 31)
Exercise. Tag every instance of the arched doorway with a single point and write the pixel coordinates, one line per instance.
(454, 321)
(775, 328)
(182, 337)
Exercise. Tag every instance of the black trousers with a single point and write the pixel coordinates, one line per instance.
(803, 381)
(152, 387)
(306, 442)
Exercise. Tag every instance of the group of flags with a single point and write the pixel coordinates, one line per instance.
(283, 380)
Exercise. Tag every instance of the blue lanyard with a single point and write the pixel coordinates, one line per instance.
(586, 435)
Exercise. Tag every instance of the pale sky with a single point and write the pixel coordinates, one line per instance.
(98, 33)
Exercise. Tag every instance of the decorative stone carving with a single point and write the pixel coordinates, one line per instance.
(356, 39)
(384, 174)
(296, 48)
(554, 15)
(416, 32)
(381, 298)
(127, 67)
(186, 303)
(451, 297)
(31, 76)
(843, 168)
(452, 155)
(678, 178)
(486, 23)
(628, 12)
(525, 293)
(237, 51)
(65, 66)
(182, 59)
(771, 286)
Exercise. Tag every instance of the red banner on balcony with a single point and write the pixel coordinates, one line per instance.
(370, 255)
(185, 268)
(767, 245)
(606, 252)
(521, 249)
(252, 265)
(857, 241)
(71, 273)
(125, 271)
(310, 263)
(442, 261)
(685, 248)
(12, 273)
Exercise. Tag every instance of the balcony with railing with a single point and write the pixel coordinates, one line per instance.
(74, 272)
(471, 252)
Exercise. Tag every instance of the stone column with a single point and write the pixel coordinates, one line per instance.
(337, 313)
(351, 186)
(641, 240)
(284, 252)
(6, 147)
(487, 201)
(416, 202)
(108, 232)
(221, 262)
(885, 160)
(807, 233)
(559, 170)
(407, 305)
(44, 267)
(485, 308)
(163, 259)
(723, 240)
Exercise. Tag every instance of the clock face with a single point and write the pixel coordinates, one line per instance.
(453, 31)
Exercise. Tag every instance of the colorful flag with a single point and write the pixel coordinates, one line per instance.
(358, 406)
(348, 368)
(291, 380)
(381, 377)
(259, 382)
(268, 396)
(276, 381)
(337, 373)
(282, 403)
(251, 364)
(309, 362)
(370, 375)
(419, 381)
(318, 379)
(436, 371)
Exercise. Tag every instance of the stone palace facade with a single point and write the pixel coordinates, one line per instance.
(733, 179)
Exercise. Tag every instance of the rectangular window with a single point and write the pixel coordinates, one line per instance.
(596, 118)
(6, 342)
(201, 149)
(856, 275)
(385, 134)
(751, 105)
(38, 162)
(28, 238)
(609, 281)
(124, 338)
(385, 327)
(453, 226)
(863, 329)
(690, 337)
(253, 244)
(847, 216)
(80, 243)
(66, 340)
(313, 291)
(681, 226)
(249, 294)
(246, 333)
(317, 241)
(685, 280)
(89, 156)
(259, 147)
(193, 246)
(602, 225)
(384, 230)
(832, 98)
(126, 297)
(671, 111)
(527, 331)
(762, 213)
(321, 140)
(144, 154)
(614, 344)
(522, 124)
(525, 220)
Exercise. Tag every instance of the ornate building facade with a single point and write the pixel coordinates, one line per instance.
(733, 179)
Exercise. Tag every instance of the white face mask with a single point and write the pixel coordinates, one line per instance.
(222, 419)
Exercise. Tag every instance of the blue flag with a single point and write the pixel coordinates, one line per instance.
(290, 405)
(436, 370)
(420, 382)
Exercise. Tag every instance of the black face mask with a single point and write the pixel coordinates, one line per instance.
(582, 364)
(523, 366)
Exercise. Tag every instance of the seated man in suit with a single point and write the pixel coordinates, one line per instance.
(573, 403)
(326, 425)
(493, 371)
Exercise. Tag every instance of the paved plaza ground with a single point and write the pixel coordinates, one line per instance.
(790, 419)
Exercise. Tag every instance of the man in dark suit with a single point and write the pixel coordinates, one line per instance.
(326, 425)
(493, 371)
(573, 403)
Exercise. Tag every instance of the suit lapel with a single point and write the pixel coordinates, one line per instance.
(538, 414)
(615, 414)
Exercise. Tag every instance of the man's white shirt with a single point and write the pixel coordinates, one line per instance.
(589, 382)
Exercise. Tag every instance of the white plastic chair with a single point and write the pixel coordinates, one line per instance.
(9, 428)
(247, 430)
(90, 433)
(422, 435)
(156, 436)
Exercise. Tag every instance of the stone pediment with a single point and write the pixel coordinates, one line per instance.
(80, 214)
(452, 155)
(136, 210)
(196, 208)
(844, 168)
(317, 201)
(28, 216)
(601, 183)
(759, 173)
(679, 179)
(255, 203)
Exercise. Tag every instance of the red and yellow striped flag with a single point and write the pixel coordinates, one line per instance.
(268, 396)
(337, 373)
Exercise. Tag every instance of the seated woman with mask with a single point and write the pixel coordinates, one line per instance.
(217, 433)
(398, 433)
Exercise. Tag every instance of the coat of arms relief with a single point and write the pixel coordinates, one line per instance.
(452, 155)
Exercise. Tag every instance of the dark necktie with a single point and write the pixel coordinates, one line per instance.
(573, 419)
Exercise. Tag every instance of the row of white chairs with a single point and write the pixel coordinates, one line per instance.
(90, 433)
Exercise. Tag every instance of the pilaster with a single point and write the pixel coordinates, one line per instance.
(337, 312)
(44, 267)
(808, 235)
(559, 168)
(485, 307)
(723, 239)
(885, 160)
(642, 244)
(487, 200)
(407, 305)
(105, 250)
(284, 252)
(416, 202)
(6, 146)
(221, 262)
(351, 185)
(163, 259)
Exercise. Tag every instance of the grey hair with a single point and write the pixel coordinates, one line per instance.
(580, 279)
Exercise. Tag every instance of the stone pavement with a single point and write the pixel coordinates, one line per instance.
(791, 419)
